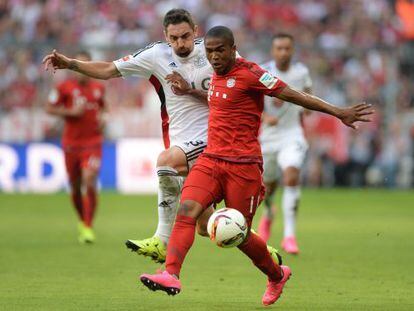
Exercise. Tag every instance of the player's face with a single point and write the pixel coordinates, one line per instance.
(282, 51)
(220, 54)
(181, 37)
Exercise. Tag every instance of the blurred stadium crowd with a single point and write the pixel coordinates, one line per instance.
(355, 49)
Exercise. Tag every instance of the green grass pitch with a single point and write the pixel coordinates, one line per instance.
(357, 254)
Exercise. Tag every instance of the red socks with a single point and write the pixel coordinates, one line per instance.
(255, 248)
(182, 237)
(89, 206)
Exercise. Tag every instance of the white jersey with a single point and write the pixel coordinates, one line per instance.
(184, 118)
(288, 114)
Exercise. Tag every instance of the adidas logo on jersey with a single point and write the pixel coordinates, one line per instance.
(172, 65)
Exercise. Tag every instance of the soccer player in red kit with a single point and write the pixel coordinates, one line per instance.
(231, 166)
(79, 101)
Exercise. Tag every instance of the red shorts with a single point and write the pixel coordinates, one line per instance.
(79, 158)
(212, 180)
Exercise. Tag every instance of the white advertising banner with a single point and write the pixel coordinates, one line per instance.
(136, 161)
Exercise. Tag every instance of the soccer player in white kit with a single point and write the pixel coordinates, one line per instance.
(283, 142)
(180, 73)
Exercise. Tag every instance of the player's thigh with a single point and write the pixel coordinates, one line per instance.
(292, 154)
(175, 158)
(91, 160)
(244, 189)
(202, 185)
(73, 167)
(192, 150)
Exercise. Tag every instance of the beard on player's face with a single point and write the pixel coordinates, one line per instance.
(182, 52)
(283, 61)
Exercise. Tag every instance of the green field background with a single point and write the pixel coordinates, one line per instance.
(357, 253)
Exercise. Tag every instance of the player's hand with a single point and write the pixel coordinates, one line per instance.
(270, 120)
(359, 112)
(178, 84)
(56, 60)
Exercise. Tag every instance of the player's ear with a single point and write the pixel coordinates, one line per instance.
(165, 35)
(234, 49)
(195, 31)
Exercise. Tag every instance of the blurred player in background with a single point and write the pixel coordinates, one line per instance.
(230, 167)
(181, 74)
(283, 142)
(80, 102)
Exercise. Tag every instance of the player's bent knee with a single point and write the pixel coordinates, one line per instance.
(292, 181)
(190, 209)
(174, 158)
(164, 158)
(291, 177)
(89, 179)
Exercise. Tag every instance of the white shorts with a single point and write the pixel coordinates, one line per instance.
(192, 150)
(281, 155)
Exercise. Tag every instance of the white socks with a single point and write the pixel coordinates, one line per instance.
(169, 188)
(290, 202)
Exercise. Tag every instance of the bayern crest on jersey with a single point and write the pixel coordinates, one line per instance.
(231, 82)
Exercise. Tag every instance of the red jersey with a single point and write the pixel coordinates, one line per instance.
(82, 131)
(236, 106)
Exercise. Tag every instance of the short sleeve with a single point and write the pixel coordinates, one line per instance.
(140, 64)
(262, 81)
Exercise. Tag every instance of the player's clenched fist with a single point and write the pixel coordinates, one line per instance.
(56, 60)
(359, 112)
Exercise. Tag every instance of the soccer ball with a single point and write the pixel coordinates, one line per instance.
(227, 227)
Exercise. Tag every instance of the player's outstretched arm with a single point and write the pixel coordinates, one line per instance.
(94, 69)
(348, 115)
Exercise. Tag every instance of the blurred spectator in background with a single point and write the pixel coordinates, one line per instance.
(356, 50)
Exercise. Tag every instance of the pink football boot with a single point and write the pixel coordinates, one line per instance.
(290, 246)
(162, 281)
(274, 289)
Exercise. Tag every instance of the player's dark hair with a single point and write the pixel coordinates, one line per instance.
(283, 35)
(221, 32)
(178, 16)
(84, 53)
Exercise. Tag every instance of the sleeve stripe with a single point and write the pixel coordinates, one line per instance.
(146, 48)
